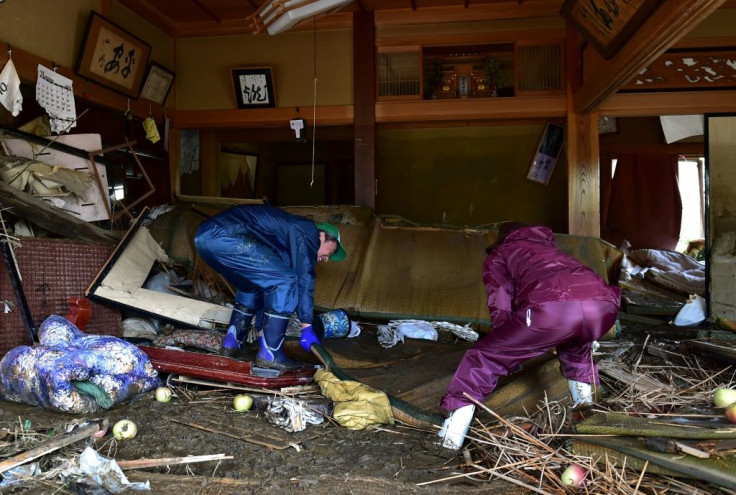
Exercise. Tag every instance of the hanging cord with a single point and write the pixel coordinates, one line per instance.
(314, 93)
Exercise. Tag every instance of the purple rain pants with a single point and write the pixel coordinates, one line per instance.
(570, 327)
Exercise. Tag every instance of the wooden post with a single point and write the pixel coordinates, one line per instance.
(364, 90)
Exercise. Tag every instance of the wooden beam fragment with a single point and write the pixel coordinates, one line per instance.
(671, 21)
(168, 461)
(53, 444)
(640, 382)
(53, 219)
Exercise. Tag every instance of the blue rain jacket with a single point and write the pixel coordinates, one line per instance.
(269, 255)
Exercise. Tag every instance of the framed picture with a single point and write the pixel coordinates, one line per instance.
(237, 173)
(605, 24)
(158, 83)
(113, 57)
(547, 154)
(253, 87)
(607, 125)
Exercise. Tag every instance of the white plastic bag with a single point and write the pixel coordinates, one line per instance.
(692, 313)
(418, 330)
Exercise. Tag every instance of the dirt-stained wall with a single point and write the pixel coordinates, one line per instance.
(467, 176)
(204, 64)
(54, 30)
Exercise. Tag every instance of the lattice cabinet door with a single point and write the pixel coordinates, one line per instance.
(399, 73)
(540, 67)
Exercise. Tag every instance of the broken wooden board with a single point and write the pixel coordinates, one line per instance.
(121, 280)
(59, 222)
(719, 471)
(95, 205)
(639, 381)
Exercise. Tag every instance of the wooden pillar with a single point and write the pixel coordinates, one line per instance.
(583, 171)
(364, 103)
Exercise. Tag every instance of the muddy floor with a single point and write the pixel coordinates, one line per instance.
(263, 457)
(201, 421)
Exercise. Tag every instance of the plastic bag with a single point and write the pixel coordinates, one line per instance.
(692, 313)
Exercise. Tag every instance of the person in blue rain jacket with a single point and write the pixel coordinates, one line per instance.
(270, 257)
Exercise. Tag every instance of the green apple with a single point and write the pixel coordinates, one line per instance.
(163, 394)
(724, 397)
(243, 402)
(124, 429)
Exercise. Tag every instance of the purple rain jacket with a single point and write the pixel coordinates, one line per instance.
(527, 270)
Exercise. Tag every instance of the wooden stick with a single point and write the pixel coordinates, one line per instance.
(50, 446)
(167, 461)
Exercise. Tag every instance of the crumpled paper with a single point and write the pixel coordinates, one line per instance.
(357, 406)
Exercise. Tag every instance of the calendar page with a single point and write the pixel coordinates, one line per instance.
(55, 95)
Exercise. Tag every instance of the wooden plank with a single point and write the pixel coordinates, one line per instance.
(666, 25)
(640, 382)
(259, 117)
(169, 461)
(675, 103)
(473, 109)
(50, 218)
(51, 445)
(510, 9)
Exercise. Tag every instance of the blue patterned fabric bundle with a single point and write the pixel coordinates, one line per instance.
(54, 373)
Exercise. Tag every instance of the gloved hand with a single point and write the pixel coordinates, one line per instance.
(308, 338)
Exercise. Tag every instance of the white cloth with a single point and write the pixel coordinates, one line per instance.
(10, 95)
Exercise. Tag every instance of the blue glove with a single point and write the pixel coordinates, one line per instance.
(308, 338)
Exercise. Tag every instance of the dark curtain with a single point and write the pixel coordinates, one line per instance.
(644, 206)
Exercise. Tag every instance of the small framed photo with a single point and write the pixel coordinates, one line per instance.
(547, 154)
(607, 125)
(158, 83)
(113, 57)
(254, 87)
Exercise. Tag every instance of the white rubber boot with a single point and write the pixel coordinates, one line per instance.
(581, 393)
(456, 427)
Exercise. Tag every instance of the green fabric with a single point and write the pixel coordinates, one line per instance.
(98, 394)
(623, 424)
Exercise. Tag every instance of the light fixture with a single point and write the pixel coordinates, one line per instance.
(277, 16)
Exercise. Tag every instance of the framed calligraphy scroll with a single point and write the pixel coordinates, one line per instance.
(547, 154)
(607, 24)
(253, 87)
(113, 57)
(158, 83)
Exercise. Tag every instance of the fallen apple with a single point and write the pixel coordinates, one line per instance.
(724, 397)
(574, 475)
(163, 394)
(731, 413)
(242, 402)
(124, 429)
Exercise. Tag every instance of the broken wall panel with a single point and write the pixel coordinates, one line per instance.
(54, 270)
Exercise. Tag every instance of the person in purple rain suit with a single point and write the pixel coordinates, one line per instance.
(539, 299)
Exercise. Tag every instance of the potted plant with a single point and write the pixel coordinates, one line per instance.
(495, 75)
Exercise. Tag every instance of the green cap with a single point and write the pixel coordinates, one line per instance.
(340, 253)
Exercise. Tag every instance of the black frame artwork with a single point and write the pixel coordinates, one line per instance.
(253, 87)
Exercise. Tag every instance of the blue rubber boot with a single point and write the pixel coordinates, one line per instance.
(234, 344)
(271, 354)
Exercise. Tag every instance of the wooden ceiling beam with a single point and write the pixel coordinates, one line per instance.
(481, 12)
(665, 26)
(147, 11)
